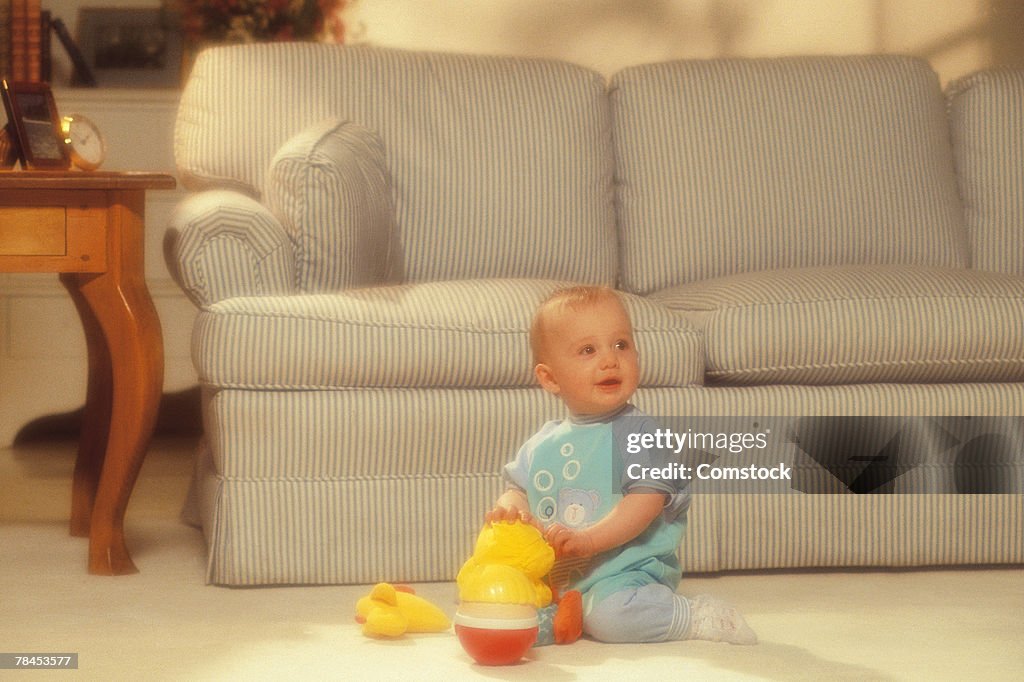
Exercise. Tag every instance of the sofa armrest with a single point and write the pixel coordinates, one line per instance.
(222, 243)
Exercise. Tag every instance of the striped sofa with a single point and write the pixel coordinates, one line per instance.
(372, 228)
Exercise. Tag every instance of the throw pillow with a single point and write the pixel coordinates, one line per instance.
(330, 187)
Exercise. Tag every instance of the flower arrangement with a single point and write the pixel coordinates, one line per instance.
(249, 21)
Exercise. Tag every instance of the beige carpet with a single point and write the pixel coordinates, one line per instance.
(165, 623)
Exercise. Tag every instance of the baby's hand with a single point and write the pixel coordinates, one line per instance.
(510, 515)
(569, 543)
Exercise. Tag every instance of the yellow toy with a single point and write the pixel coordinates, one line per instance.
(390, 611)
(500, 590)
(507, 566)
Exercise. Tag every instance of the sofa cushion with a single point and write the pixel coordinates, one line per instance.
(987, 120)
(471, 334)
(732, 165)
(330, 187)
(501, 166)
(857, 324)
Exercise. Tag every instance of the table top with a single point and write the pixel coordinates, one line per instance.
(74, 179)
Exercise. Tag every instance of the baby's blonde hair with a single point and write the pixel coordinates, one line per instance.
(574, 298)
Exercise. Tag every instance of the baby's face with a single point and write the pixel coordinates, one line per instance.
(589, 358)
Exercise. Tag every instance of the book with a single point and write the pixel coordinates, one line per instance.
(82, 74)
(33, 40)
(5, 38)
(45, 56)
(19, 40)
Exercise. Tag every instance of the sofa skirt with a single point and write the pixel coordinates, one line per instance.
(349, 509)
(358, 530)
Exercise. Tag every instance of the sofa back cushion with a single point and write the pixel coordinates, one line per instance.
(501, 167)
(987, 117)
(730, 166)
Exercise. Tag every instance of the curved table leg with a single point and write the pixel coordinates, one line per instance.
(92, 443)
(125, 335)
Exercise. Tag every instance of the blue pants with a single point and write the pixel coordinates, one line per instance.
(648, 613)
(642, 612)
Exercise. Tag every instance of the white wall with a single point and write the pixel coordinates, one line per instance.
(956, 35)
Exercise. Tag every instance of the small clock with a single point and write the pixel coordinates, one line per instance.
(84, 141)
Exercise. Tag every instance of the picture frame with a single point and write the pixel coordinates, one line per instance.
(81, 73)
(33, 125)
(130, 47)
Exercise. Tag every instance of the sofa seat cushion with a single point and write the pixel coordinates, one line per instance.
(855, 324)
(470, 334)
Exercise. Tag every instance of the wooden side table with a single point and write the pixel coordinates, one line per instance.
(89, 228)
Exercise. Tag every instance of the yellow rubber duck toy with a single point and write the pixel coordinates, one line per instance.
(390, 611)
(507, 566)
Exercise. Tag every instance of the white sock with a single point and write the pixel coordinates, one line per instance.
(715, 620)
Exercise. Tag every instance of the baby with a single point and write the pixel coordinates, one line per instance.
(615, 538)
